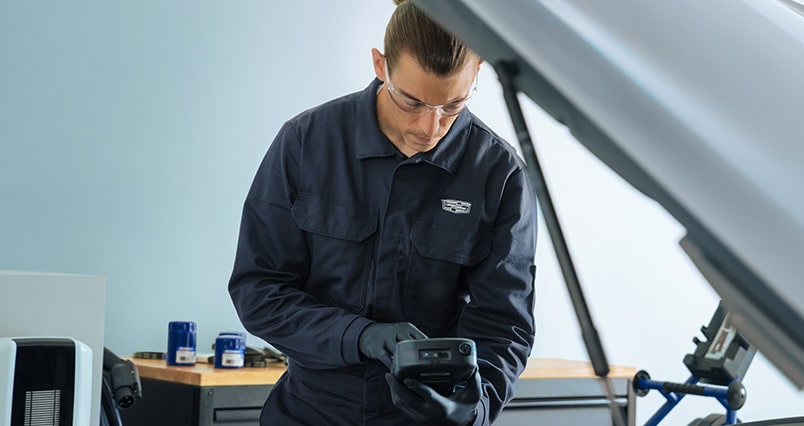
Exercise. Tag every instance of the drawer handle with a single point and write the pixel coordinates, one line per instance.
(231, 415)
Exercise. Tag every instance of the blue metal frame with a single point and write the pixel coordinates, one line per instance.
(673, 398)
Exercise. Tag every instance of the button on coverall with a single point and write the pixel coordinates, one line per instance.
(340, 230)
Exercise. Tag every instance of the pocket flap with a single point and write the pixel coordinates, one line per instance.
(465, 246)
(334, 218)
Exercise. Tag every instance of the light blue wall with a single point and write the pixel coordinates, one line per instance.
(130, 131)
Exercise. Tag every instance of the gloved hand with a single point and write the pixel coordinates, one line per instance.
(424, 404)
(378, 340)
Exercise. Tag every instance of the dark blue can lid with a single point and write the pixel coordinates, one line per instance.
(182, 326)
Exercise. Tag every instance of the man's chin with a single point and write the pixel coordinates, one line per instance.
(422, 144)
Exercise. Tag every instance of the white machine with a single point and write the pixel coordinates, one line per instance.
(45, 381)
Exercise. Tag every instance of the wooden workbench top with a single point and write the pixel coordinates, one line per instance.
(202, 374)
(557, 368)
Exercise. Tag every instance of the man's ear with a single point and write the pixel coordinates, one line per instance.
(378, 60)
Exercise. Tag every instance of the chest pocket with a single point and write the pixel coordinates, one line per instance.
(340, 247)
(461, 245)
(338, 219)
(436, 287)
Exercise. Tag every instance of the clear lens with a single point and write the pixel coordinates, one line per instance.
(417, 107)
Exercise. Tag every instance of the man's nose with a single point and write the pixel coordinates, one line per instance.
(431, 120)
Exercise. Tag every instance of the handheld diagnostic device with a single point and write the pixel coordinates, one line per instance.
(441, 363)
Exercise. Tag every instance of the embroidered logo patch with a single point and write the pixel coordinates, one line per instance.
(456, 206)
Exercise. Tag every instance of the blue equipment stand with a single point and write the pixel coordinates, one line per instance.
(718, 364)
(731, 397)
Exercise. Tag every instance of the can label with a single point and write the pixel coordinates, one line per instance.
(185, 355)
(232, 358)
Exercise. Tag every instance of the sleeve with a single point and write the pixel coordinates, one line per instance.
(271, 264)
(499, 317)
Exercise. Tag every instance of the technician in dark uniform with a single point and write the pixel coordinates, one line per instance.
(388, 214)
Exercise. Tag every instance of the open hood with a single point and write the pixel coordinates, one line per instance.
(696, 104)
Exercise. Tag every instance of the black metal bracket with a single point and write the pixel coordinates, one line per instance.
(506, 72)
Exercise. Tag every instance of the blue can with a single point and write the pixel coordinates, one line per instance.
(230, 350)
(181, 343)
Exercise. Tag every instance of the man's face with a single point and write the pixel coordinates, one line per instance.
(415, 108)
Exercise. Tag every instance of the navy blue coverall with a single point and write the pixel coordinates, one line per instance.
(339, 230)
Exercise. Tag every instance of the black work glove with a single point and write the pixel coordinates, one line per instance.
(424, 404)
(378, 340)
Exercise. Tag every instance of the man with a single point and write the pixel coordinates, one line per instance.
(389, 214)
